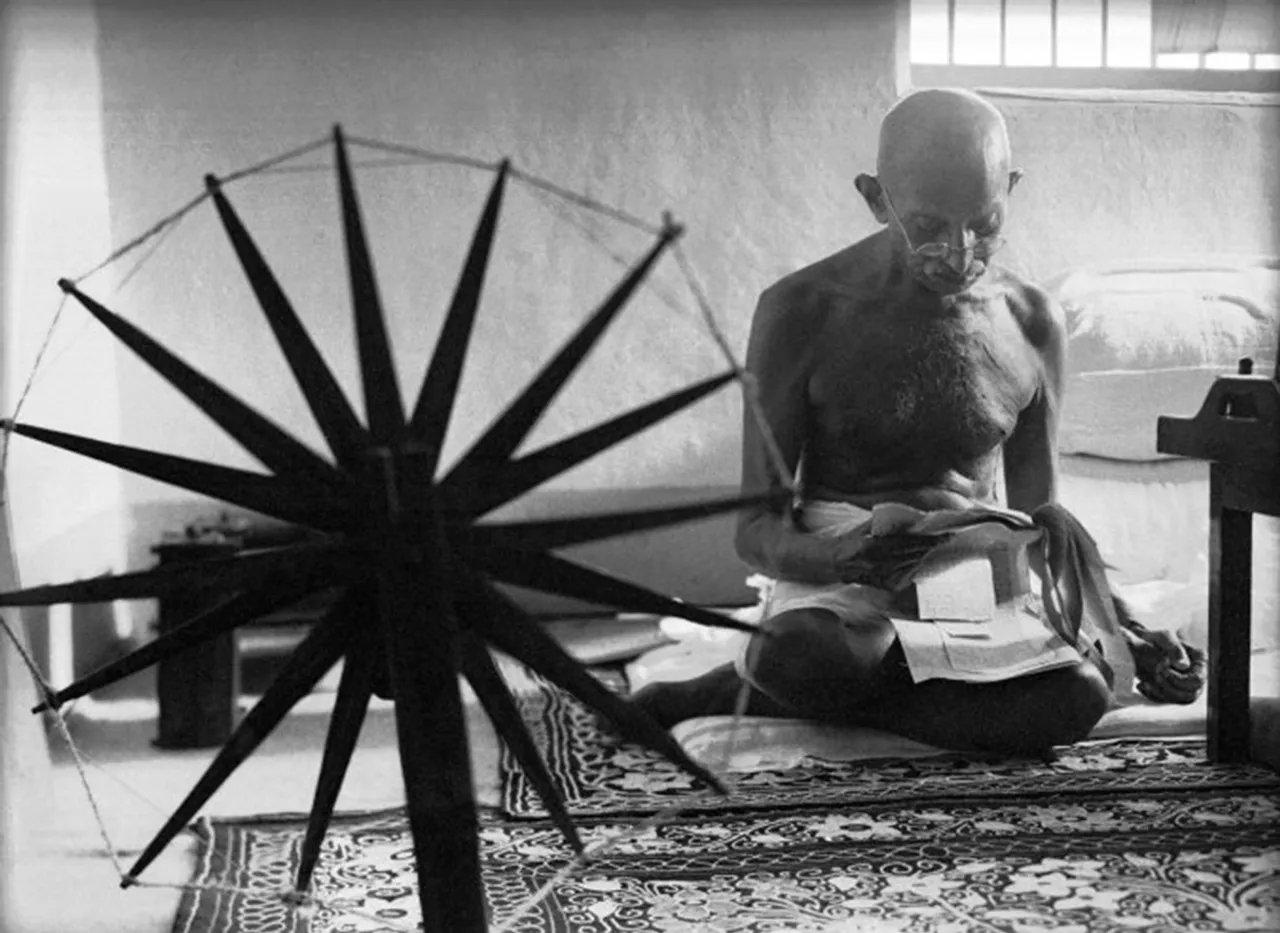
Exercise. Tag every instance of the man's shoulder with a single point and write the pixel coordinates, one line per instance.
(1036, 310)
(809, 292)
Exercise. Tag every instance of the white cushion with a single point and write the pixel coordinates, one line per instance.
(1147, 338)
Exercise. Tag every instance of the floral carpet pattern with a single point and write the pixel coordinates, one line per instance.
(1181, 861)
(600, 774)
(1133, 835)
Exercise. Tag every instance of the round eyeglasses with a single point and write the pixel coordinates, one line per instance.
(983, 247)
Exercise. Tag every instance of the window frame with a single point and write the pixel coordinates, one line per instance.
(1063, 77)
(1124, 79)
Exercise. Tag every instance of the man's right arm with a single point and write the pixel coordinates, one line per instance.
(785, 338)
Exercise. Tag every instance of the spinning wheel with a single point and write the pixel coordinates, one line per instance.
(414, 561)
(1237, 430)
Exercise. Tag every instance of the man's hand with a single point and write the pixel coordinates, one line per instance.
(1168, 670)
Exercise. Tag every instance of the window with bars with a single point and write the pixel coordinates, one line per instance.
(1191, 44)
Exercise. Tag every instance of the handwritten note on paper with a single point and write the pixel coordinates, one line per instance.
(961, 591)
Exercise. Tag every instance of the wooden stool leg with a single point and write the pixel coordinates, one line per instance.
(1230, 588)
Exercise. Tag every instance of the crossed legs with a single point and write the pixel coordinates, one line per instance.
(815, 665)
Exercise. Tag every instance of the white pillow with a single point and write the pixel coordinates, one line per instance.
(1148, 338)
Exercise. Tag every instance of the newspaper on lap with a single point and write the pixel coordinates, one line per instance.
(957, 585)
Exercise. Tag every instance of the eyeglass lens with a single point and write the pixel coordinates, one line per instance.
(981, 248)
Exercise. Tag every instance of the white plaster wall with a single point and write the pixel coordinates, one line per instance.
(24, 760)
(746, 120)
(66, 512)
(1113, 178)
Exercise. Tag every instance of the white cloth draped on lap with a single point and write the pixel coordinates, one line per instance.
(1015, 641)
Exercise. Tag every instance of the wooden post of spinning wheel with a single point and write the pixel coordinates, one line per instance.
(420, 631)
(1238, 431)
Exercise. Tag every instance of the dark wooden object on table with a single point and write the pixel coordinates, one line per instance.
(1238, 431)
(199, 691)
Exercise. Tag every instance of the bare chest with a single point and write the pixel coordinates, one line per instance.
(936, 393)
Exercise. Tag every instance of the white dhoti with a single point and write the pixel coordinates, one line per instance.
(1012, 639)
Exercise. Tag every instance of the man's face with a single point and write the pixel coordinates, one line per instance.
(947, 236)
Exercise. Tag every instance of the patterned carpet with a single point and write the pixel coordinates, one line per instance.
(1115, 836)
(599, 774)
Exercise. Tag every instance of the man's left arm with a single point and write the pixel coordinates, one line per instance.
(1031, 451)
(1168, 670)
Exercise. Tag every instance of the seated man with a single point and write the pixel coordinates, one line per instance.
(903, 369)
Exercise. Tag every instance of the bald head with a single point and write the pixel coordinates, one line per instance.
(942, 177)
(943, 137)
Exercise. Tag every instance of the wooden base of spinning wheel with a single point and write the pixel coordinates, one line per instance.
(1238, 430)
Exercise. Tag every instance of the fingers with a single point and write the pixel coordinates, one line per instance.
(1168, 685)
(1191, 681)
(1199, 659)
(1179, 691)
(1174, 651)
(1146, 656)
(1157, 650)
(1162, 692)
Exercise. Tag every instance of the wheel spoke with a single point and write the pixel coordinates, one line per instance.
(229, 573)
(497, 444)
(383, 406)
(549, 573)
(310, 661)
(342, 430)
(509, 480)
(277, 450)
(288, 501)
(564, 532)
(349, 708)
(507, 627)
(483, 675)
(227, 615)
(440, 387)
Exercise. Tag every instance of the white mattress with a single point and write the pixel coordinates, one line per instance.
(754, 743)
(1151, 522)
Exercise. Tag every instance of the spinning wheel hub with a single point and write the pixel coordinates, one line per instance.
(399, 493)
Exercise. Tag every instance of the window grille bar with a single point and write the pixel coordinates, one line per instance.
(1053, 33)
(1004, 30)
(1227, 66)
(951, 32)
(1106, 18)
(1154, 44)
